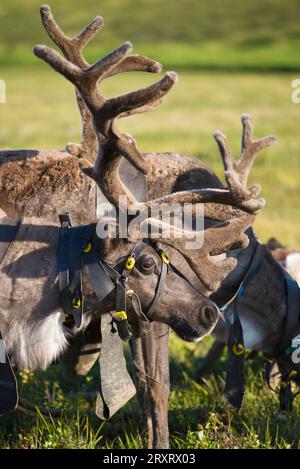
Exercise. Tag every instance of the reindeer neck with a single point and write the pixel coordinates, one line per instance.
(262, 306)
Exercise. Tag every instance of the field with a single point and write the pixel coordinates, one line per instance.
(247, 65)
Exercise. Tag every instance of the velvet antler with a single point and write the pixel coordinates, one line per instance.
(72, 48)
(113, 145)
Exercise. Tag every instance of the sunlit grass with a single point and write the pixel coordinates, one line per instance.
(198, 417)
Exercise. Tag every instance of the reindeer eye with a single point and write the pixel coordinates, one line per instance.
(147, 263)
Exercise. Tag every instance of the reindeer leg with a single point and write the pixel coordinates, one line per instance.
(214, 353)
(151, 366)
(210, 360)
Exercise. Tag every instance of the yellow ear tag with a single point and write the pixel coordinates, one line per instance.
(130, 293)
(293, 374)
(238, 349)
(121, 315)
(130, 263)
(165, 258)
(88, 248)
(76, 303)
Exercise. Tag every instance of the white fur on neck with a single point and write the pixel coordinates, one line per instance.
(293, 266)
(253, 338)
(37, 344)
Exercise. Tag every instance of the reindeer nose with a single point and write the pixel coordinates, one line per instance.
(209, 314)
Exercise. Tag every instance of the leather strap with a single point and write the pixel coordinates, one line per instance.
(8, 384)
(235, 384)
(116, 386)
(76, 245)
(63, 266)
(8, 232)
(158, 292)
(98, 276)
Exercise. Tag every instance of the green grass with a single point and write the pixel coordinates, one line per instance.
(197, 415)
(190, 34)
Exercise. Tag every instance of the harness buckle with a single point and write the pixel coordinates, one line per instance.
(88, 247)
(238, 349)
(130, 263)
(121, 316)
(164, 257)
(76, 302)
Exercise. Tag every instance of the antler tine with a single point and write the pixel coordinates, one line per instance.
(84, 79)
(71, 47)
(136, 63)
(59, 63)
(143, 97)
(98, 69)
(237, 172)
(228, 160)
(250, 148)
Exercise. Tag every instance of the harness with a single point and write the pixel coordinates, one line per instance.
(235, 385)
(8, 384)
(77, 248)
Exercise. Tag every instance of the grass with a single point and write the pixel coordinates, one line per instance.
(197, 415)
(192, 34)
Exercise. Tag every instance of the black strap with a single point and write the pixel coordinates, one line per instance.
(121, 322)
(97, 274)
(63, 267)
(158, 292)
(8, 232)
(76, 245)
(8, 384)
(235, 386)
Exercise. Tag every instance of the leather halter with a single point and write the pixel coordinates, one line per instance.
(76, 249)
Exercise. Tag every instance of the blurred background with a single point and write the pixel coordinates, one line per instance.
(232, 57)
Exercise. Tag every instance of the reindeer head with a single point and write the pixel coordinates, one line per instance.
(183, 304)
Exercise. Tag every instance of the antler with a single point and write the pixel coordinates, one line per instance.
(72, 48)
(113, 145)
(217, 239)
(236, 175)
(237, 172)
(230, 233)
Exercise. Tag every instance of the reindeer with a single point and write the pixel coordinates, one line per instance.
(54, 182)
(288, 258)
(264, 297)
(33, 326)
